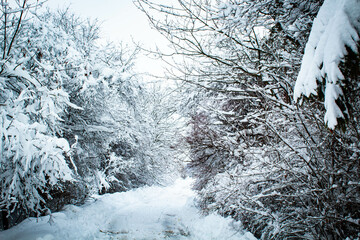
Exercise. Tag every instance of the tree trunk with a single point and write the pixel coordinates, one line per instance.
(5, 220)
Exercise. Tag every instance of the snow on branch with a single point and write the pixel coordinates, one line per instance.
(336, 27)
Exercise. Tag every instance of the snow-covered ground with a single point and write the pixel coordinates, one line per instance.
(146, 213)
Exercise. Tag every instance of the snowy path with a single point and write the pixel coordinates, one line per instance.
(146, 213)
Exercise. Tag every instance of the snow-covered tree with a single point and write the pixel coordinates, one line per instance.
(165, 128)
(256, 156)
(34, 156)
(75, 119)
(334, 33)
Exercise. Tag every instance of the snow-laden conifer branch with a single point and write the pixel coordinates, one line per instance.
(335, 28)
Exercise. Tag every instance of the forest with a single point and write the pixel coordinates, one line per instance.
(262, 112)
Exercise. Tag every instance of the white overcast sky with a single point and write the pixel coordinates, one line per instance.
(121, 21)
